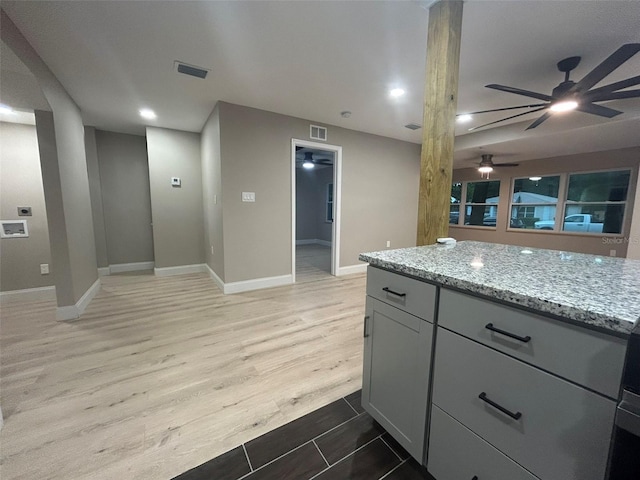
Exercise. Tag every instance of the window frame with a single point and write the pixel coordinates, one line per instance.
(563, 202)
(464, 204)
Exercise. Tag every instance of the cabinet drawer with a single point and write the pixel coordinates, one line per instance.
(584, 356)
(563, 432)
(413, 296)
(456, 453)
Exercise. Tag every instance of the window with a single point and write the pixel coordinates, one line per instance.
(596, 202)
(533, 200)
(454, 208)
(329, 209)
(481, 206)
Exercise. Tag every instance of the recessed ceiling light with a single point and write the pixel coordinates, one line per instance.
(396, 92)
(564, 106)
(464, 118)
(6, 109)
(148, 113)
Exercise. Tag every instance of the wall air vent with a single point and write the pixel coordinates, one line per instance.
(192, 70)
(318, 133)
(412, 126)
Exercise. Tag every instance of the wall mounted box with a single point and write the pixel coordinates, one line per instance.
(14, 229)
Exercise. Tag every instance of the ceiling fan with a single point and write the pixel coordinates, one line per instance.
(569, 95)
(486, 165)
(309, 162)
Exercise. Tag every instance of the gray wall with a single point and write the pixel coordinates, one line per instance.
(629, 157)
(124, 177)
(95, 190)
(70, 229)
(212, 193)
(311, 197)
(21, 186)
(379, 191)
(177, 212)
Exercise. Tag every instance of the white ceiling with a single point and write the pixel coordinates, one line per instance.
(314, 59)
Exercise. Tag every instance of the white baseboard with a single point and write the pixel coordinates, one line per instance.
(351, 269)
(130, 267)
(257, 284)
(104, 271)
(313, 241)
(248, 285)
(214, 276)
(180, 270)
(70, 312)
(29, 294)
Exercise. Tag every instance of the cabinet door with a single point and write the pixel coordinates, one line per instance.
(397, 358)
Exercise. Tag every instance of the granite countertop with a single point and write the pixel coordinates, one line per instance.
(603, 292)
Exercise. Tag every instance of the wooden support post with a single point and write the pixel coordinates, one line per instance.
(438, 126)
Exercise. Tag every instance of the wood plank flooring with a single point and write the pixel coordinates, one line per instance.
(162, 374)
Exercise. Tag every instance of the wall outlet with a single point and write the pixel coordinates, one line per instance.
(211, 249)
(612, 253)
(388, 243)
(176, 182)
(44, 269)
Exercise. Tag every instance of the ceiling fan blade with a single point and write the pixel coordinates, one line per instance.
(598, 110)
(503, 109)
(617, 58)
(612, 96)
(519, 91)
(508, 118)
(506, 165)
(612, 87)
(539, 121)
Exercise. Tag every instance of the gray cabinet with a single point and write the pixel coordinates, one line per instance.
(532, 388)
(397, 365)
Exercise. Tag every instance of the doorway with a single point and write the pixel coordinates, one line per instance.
(315, 200)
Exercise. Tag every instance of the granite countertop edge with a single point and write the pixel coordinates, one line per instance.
(608, 323)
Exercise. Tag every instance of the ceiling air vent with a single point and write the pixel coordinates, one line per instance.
(318, 133)
(192, 70)
(412, 126)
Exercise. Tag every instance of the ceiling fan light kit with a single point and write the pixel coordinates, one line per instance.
(486, 165)
(580, 96)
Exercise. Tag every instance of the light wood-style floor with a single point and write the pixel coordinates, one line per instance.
(164, 373)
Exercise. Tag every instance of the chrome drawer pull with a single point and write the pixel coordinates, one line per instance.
(489, 326)
(388, 290)
(515, 416)
(365, 334)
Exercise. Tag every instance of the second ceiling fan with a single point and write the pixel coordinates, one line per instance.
(569, 95)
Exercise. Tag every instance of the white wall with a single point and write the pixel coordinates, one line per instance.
(633, 240)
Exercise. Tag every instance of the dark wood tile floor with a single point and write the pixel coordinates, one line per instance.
(337, 442)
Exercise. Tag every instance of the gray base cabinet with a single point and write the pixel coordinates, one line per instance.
(397, 365)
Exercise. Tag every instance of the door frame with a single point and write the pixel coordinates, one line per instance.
(337, 197)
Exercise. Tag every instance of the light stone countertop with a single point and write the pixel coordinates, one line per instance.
(603, 292)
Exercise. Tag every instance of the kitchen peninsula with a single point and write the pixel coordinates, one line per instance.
(498, 361)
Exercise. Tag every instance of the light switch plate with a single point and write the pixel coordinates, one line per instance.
(176, 182)
(248, 196)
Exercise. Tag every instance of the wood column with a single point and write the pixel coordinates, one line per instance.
(438, 126)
